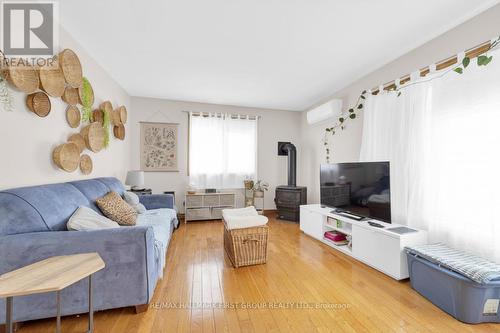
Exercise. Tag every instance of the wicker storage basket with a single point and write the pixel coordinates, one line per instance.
(246, 247)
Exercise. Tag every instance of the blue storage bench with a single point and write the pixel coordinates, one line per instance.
(465, 299)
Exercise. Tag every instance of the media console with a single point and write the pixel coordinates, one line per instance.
(376, 246)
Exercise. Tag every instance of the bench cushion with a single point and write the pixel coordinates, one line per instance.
(469, 265)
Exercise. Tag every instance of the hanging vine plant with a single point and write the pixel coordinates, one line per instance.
(340, 124)
(106, 124)
(87, 99)
(352, 113)
(5, 96)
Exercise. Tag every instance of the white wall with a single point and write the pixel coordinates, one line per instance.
(27, 141)
(274, 126)
(346, 145)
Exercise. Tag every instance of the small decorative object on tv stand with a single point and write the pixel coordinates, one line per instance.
(207, 206)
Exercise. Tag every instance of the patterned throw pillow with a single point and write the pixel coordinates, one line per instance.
(116, 209)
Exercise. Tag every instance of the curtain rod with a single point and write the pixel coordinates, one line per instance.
(448, 62)
(233, 115)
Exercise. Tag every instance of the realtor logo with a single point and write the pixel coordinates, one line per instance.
(29, 28)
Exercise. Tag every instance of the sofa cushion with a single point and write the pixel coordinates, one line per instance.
(113, 184)
(88, 219)
(115, 208)
(55, 203)
(17, 216)
(92, 189)
(161, 222)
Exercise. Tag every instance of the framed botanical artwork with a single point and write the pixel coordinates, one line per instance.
(159, 147)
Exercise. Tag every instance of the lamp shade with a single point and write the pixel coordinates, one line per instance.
(135, 178)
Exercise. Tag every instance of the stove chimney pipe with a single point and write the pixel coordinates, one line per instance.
(288, 149)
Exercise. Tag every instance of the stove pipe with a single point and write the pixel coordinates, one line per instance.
(287, 148)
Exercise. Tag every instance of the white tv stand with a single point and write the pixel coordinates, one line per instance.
(377, 247)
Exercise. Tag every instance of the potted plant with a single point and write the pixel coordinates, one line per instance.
(259, 187)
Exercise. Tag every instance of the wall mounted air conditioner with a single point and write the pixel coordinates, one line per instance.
(325, 111)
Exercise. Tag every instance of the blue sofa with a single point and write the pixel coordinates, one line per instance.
(33, 227)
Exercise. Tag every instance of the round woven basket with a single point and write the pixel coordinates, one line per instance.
(67, 156)
(119, 132)
(71, 68)
(23, 77)
(86, 164)
(73, 116)
(93, 135)
(115, 117)
(98, 116)
(122, 113)
(39, 103)
(52, 80)
(91, 94)
(70, 96)
(78, 140)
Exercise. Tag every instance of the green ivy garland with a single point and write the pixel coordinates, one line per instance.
(5, 96)
(482, 60)
(106, 122)
(86, 100)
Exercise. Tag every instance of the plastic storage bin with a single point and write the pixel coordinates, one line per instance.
(459, 296)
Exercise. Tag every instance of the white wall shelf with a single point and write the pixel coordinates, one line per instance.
(379, 248)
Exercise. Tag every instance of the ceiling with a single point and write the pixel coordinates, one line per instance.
(277, 54)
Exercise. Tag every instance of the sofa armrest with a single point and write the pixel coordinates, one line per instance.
(157, 201)
(130, 274)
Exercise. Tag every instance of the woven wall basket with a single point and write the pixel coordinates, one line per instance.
(86, 164)
(71, 68)
(98, 116)
(39, 103)
(122, 113)
(119, 132)
(78, 140)
(73, 116)
(23, 77)
(93, 135)
(67, 156)
(52, 81)
(115, 117)
(70, 96)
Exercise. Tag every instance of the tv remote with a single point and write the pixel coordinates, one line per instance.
(375, 224)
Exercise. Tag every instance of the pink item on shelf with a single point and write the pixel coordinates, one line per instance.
(336, 237)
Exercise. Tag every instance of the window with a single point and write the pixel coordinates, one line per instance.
(222, 150)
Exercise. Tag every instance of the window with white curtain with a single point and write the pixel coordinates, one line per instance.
(222, 150)
(442, 138)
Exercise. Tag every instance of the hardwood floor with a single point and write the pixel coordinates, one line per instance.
(304, 287)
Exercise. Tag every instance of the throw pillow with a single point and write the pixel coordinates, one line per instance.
(115, 208)
(133, 200)
(85, 218)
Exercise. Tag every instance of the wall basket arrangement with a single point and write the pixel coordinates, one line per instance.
(63, 78)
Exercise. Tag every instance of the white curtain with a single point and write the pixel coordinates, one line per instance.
(222, 150)
(442, 138)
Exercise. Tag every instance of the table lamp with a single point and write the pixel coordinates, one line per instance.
(135, 179)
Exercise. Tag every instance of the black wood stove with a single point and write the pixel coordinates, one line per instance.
(289, 197)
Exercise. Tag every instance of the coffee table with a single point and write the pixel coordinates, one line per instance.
(50, 275)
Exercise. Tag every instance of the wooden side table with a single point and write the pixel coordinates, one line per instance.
(52, 274)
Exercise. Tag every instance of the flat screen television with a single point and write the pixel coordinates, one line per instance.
(359, 188)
